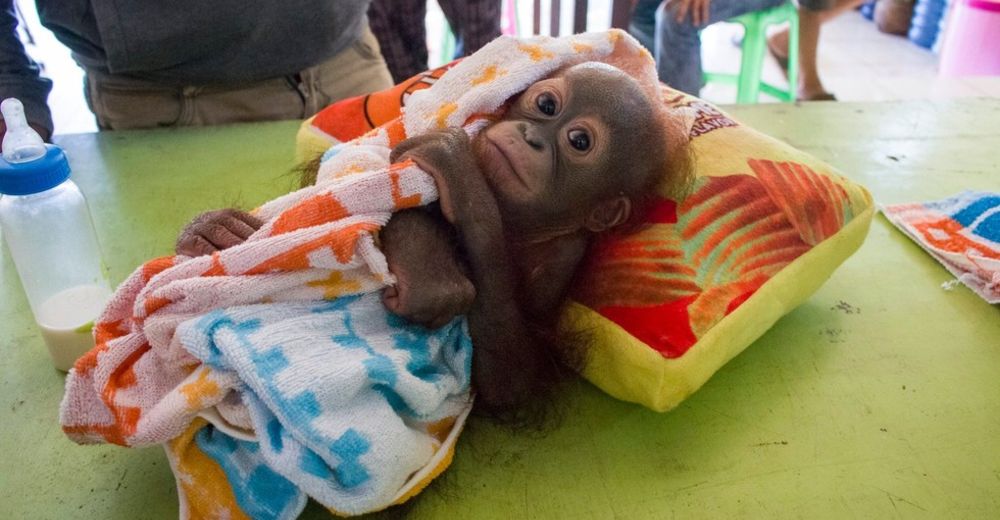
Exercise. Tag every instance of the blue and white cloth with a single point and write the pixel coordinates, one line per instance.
(342, 396)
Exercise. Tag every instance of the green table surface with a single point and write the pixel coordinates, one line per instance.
(879, 397)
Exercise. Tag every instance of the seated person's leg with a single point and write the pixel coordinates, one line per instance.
(678, 52)
(403, 42)
(359, 70)
(678, 43)
(643, 23)
(812, 14)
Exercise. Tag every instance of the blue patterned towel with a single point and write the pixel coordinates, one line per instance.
(345, 399)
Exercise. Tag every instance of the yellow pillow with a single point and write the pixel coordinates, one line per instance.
(764, 226)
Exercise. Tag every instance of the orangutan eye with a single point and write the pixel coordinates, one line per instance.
(547, 104)
(579, 139)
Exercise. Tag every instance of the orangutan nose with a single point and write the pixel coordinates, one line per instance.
(532, 136)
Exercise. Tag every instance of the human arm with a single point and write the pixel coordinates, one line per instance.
(698, 9)
(19, 75)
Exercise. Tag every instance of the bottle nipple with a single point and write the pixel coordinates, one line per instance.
(21, 143)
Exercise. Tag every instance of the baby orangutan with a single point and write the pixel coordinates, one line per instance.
(575, 155)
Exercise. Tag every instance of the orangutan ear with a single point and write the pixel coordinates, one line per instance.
(608, 214)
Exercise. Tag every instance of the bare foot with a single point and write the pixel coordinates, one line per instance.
(809, 90)
(815, 95)
(812, 89)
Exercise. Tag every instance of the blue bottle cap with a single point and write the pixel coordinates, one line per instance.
(35, 176)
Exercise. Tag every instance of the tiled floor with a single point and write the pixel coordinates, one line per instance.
(857, 63)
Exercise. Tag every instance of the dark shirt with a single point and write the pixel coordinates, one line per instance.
(179, 42)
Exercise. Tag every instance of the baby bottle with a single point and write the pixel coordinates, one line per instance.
(45, 222)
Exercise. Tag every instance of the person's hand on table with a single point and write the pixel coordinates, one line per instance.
(697, 8)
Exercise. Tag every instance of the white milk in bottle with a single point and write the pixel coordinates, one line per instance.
(66, 319)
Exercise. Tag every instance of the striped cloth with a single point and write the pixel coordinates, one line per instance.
(961, 232)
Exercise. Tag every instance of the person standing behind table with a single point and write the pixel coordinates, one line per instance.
(399, 27)
(671, 33)
(151, 63)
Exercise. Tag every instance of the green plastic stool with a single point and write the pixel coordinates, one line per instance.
(748, 82)
(448, 46)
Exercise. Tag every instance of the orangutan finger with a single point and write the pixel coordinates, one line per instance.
(220, 236)
(194, 245)
(239, 227)
(247, 218)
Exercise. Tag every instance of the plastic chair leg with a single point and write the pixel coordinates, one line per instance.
(748, 82)
(448, 46)
(748, 88)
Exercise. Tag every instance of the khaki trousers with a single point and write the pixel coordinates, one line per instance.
(122, 103)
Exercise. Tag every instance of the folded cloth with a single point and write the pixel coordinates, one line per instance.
(961, 232)
(273, 362)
